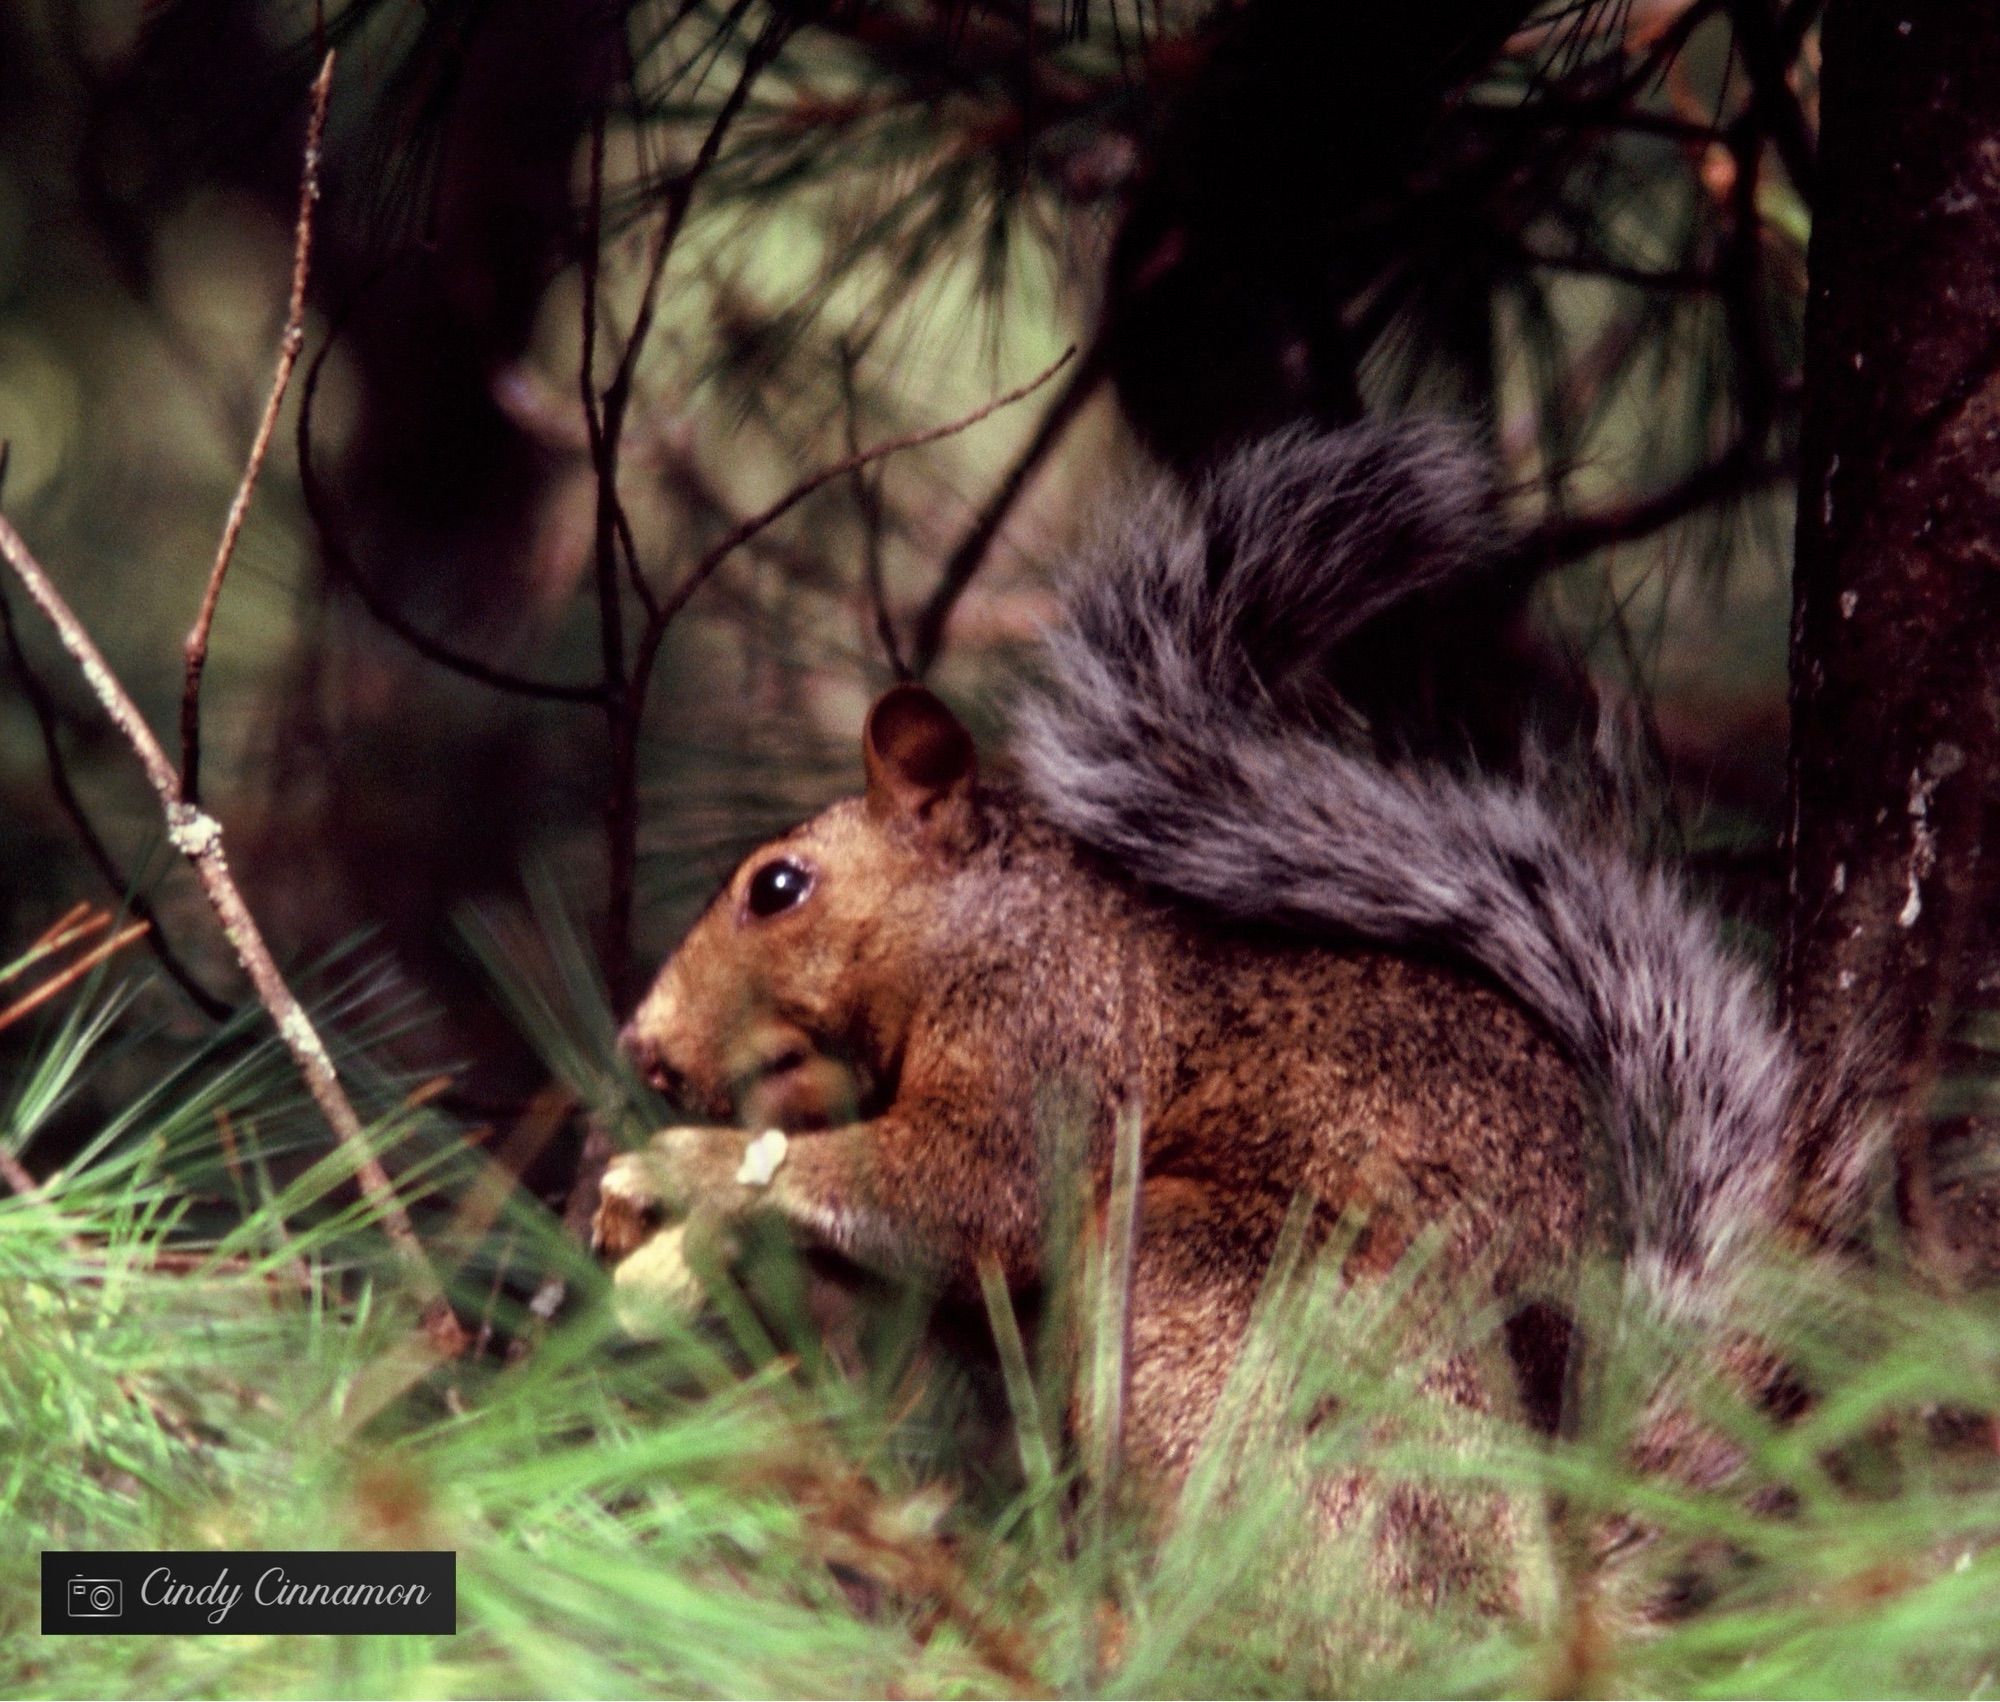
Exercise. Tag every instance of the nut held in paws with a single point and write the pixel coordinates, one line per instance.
(655, 1290)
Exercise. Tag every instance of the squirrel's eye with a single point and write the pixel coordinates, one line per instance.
(778, 885)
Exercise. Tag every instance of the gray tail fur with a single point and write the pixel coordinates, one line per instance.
(1164, 738)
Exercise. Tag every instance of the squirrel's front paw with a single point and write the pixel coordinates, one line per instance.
(705, 1177)
(630, 1210)
(715, 1171)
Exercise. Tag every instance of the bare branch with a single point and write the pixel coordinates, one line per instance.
(1796, 25)
(602, 423)
(198, 837)
(1741, 268)
(679, 197)
(1593, 114)
(343, 565)
(604, 417)
(1767, 54)
(292, 339)
(603, 454)
(1675, 280)
(684, 477)
(626, 711)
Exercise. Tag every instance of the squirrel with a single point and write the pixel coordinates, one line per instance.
(1431, 1000)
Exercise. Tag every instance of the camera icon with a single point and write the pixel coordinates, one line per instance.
(96, 1598)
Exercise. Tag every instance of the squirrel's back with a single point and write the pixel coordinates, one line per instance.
(1186, 731)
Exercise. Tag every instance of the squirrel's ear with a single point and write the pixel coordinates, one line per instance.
(921, 762)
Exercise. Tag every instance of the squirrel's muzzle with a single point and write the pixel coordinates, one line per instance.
(650, 1060)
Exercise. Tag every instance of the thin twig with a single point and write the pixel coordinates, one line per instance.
(289, 344)
(604, 418)
(1796, 25)
(622, 807)
(1767, 55)
(679, 198)
(1742, 274)
(71, 804)
(1593, 114)
(603, 454)
(745, 530)
(602, 423)
(341, 563)
(686, 479)
(970, 555)
(1677, 280)
(198, 837)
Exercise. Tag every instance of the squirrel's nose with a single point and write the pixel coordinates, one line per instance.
(651, 1061)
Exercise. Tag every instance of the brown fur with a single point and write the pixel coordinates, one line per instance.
(959, 968)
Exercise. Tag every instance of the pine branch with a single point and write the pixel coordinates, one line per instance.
(1735, 472)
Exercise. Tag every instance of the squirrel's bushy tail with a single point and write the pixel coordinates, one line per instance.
(1169, 736)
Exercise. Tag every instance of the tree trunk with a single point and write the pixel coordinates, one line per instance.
(1896, 614)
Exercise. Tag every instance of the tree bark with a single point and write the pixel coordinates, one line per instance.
(1896, 611)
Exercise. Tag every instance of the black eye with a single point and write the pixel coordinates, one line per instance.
(778, 885)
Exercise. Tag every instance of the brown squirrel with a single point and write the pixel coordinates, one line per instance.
(1428, 999)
